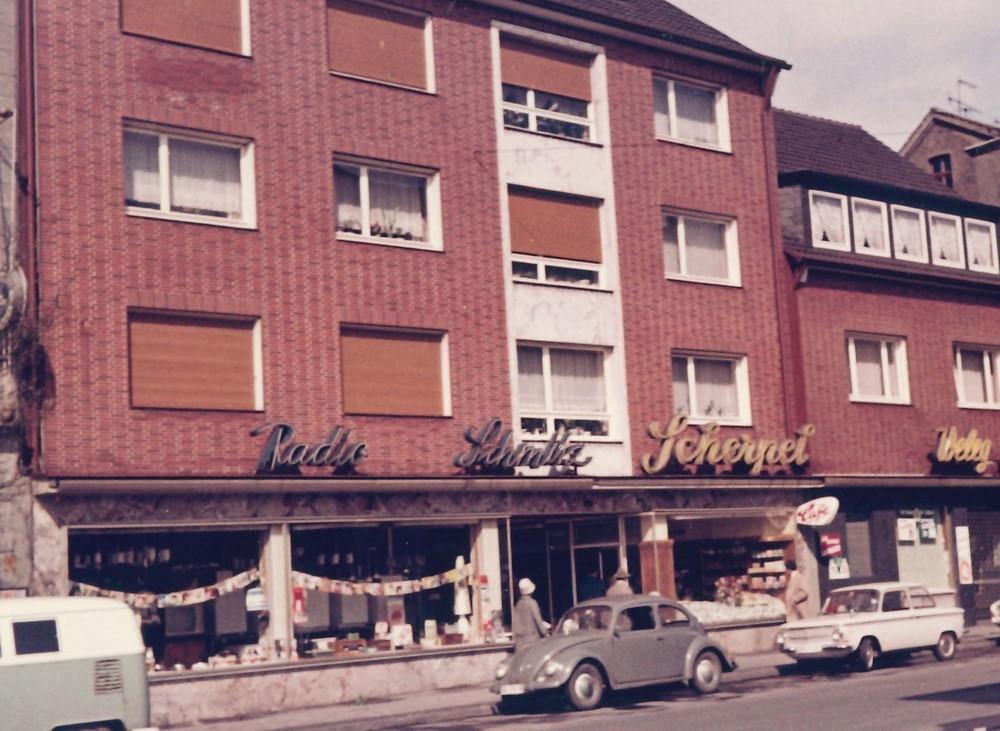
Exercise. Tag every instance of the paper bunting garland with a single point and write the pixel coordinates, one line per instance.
(186, 598)
(383, 588)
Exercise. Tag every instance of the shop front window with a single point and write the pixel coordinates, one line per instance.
(363, 590)
(190, 590)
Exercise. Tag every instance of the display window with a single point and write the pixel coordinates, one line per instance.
(189, 589)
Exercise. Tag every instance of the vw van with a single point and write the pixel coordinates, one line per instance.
(71, 663)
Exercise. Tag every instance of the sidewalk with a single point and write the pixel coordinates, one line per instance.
(445, 705)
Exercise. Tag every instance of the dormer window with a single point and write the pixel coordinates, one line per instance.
(829, 221)
(941, 169)
(871, 227)
(909, 234)
(981, 245)
(946, 241)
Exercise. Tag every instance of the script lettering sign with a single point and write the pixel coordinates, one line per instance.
(492, 448)
(704, 447)
(280, 453)
(970, 449)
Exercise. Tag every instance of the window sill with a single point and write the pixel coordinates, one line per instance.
(387, 241)
(879, 401)
(983, 270)
(542, 438)
(536, 133)
(846, 248)
(187, 218)
(701, 420)
(376, 415)
(195, 409)
(948, 265)
(979, 407)
(697, 145)
(703, 280)
(562, 285)
(381, 82)
(913, 259)
(875, 253)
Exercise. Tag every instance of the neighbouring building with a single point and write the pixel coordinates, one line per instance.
(962, 153)
(893, 281)
(354, 313)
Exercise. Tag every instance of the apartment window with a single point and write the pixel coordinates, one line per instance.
(691, 113)
(976, 372)
(385, 205)
(946, 241)
(703, 249)
(981, 245)
(871, 227)
(546, 89)
(909, 233)
(711, 388)
(941, 169)
(179, 361)
(562, 388)
(394, 372)
(878, 369)
(828, 216)
(555, 237)
(221, 25)
(380, 42)
(188, 178)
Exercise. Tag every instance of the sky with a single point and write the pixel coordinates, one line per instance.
(878, 64)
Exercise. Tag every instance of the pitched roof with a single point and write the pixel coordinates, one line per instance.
(943, 117)
(816, 145)
(658, 19)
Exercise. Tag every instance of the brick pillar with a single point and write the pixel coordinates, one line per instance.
(657, 559)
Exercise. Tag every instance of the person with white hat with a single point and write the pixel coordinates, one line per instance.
(528, 625)
(620, 585)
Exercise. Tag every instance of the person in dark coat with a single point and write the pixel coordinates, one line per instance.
(590, 587)
(527, 623)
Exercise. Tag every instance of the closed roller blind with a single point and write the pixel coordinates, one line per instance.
(544, 68)
(206, 23)
(391, 373)
(549, 224)
(191, 363)
(376, 43)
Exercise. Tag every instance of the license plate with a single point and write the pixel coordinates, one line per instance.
(514, 689)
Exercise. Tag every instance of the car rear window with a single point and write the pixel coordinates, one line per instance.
(35, 637)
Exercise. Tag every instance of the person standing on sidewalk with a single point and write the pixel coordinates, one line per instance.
(796, 594)
(527, 623)
(620, 585)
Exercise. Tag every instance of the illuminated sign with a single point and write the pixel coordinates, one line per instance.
(963, 450)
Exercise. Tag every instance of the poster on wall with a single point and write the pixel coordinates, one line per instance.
(964, 554)
(906, 530)
(830, 545)
(839, 568)
(928, 530)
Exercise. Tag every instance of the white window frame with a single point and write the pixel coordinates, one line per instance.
(534, 113)
(721, 112)
(995, 268)
(960, 264)
(741, 377)
(247, 178)
(902, 370)
(922, 258)
(732, 249)
(858, 240)
(549, 413)
(432, 197)
(991, 367)
(542, 263)
(245, 26)
(816, 241)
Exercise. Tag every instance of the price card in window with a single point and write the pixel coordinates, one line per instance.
(839, 568)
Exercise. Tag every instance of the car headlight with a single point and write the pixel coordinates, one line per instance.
(548, 670)
(501, 671)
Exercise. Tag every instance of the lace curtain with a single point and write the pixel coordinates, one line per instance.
(705, 248)
(142, 170)
(715, 388)
(828, 218)
(869, 232)
(973, 376)
(577, 381)
(980, 245)
(530, 379)
(944, 234)
(906, 227)
(205, 179)
(661, 107)
(397, 205)
(695, 114)
(868, 365)
(682, 395)
(671, 247)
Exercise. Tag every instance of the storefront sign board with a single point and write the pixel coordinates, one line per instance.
(971, 449)
(492, 448)
(906, 530)
(706, 448)
(963, 552)
(818, 512)
(830, 545)
(280, 452)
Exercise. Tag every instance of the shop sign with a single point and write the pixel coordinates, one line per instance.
(280, 453)
(963, 450)
(706, 448)
(492, 448)
(839, 569)
(820, 511)
(963, 552)
(830, 545)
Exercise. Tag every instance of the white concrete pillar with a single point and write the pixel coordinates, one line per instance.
(486, 559)
(276, 565)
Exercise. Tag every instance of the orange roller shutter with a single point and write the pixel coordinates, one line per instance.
(376, 43)
(191, 362)
(391, 373)
(207, 23)
(545, 68)
(550, 224)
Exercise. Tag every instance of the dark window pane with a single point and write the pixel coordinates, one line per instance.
(563, 129)
(515, 119)
(31, 638)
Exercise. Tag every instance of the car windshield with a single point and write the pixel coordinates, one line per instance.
(578, 619)
(851, 601)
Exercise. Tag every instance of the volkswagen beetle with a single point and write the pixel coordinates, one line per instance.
(615, 642)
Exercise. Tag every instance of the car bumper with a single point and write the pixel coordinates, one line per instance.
(829, 652)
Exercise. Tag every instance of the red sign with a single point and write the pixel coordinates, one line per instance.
(829, 544)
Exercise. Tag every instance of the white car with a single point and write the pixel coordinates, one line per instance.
(995, 612)
(859, 623)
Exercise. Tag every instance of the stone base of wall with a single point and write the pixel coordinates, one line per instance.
(202, 697)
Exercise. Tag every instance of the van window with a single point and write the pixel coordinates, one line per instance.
(31, 638)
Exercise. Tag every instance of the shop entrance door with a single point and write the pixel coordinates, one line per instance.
(595, 565)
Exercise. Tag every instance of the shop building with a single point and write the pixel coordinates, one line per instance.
(354, 313)
(892, 282)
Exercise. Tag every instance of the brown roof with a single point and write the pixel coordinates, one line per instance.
(658, 19)
(808, 144)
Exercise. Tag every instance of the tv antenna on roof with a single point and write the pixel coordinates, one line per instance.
(960, 106)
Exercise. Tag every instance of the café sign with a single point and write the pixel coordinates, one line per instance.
(817, 512)
(280, 453)
(968, 450)
(703, 446)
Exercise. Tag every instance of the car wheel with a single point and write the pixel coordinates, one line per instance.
(867, 653)
(707, 673)
(945, 647)
(585, 687)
